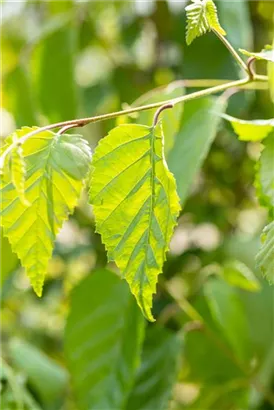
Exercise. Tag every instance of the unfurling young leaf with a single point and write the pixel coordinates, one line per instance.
(135, 205)
(55, 168)
(201, 17)
(255, 130)
(265, 256)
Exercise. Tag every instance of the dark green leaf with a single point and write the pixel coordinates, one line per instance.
(158, 371)
(103, 340)
(193, 141)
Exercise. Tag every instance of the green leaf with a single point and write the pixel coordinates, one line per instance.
(238, 274)
(58, 74)
(135, 205)
(46, 377)
(264, 180)
(55, 168)
(158, 371)
(18, 172)
(254, 130)
(270, 73)
(201, 17)
(103, 338)
(199, 127)
(9, 260)
(265, 256)
(170, 118)
(228, 311)
(266, 54)
(212, 17)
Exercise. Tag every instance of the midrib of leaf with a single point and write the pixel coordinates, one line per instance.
(38, 204)
(151, 210)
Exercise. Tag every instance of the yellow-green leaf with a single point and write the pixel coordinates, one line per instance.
(18, 171)
(55, 168)
(212, 17)
(201, 16)
(135, 205)
(266, 54)
(255, 130)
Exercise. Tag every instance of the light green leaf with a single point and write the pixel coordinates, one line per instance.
(270, 73)
(103, 339)
(199, 127)
(266, 54)
(135, 205)
(212, 17)
(265, 256)
(170, 118)
(158, 371)
(18, 171)
(46, 377)
(254, 130)
(264, 180)
(9, 260)
(236, 273)
(201, 17)
(55, 168)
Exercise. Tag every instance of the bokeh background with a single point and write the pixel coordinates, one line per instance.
(68, 59)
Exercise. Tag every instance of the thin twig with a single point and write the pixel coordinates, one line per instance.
(158, 112)
(250, 67)
(85, 121)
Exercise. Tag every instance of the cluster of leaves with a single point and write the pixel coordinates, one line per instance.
(115, 359)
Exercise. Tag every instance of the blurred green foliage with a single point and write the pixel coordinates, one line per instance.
(212, 345)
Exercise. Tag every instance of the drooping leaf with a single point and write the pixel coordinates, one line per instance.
(47, 378)
(157, 373)
(265, 256)
(58, 74)
(266, 54)
(103, 339)
(170, 118)
(135, 205)
(55, 168)
(236, 273)
(254, 130)
(198, 130)
(201, 17)
(264, 180)
(228, 312)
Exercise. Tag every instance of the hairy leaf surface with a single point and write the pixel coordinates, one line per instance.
(264, 181)
(55, 168)
(265, 256)
(254, 130)
(158, 370)
(201, 17)
(103, 340)
(135, 205)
